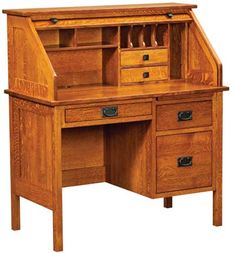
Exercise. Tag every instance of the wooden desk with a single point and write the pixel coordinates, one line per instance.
(129, 95)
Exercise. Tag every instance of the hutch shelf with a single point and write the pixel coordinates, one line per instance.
(130, 95)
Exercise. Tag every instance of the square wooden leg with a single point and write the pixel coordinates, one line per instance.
(15, 212)
(217, 207)
(57, 186)
(168, 202)
(217, 194)
(58, 230)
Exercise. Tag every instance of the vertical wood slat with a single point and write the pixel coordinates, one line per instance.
(141, 41)
(169, 51)
(129, 37)
(154, 42)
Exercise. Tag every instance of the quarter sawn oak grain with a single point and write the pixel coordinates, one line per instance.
(130, 95)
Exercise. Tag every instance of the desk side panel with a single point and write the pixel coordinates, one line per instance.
(32, 151)
(204, 65)
(30, 70)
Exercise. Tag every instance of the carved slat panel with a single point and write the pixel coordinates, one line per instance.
(30, 72)
(32, 139)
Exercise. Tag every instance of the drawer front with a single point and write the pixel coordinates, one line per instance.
(104, 112)
(144, 57)
(184, 115)
(184, 161)
(136, 75)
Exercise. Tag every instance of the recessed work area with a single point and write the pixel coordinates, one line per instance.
(106, 154)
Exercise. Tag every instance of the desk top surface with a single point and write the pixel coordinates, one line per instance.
(96, 11)
(97, 93)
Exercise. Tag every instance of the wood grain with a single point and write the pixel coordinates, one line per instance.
(217, 153)
(31, 72)
(129, 58)
(170, 177)
(168, 115)
(129, 160)
(82, 147)
(73, 23)
(95, 113)
(109, 10)
(63, 73)
(135, 75)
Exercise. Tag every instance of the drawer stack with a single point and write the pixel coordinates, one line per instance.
(144, 54)
(184, 145)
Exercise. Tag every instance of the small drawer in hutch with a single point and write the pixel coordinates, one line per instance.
(145, 74)
(108, 112)
(144, 57)
(184, 161)
(184, 115)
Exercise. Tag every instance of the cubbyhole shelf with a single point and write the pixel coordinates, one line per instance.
(144, 36)
(79, 38)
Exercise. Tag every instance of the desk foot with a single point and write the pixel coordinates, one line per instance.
(168, 202)
(15, 212)
(57, 230)
(217, 208)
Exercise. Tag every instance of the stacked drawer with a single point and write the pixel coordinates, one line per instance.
(184, 146)
(138, 66)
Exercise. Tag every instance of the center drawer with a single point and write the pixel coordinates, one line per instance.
(145, 74)
(184, 115)
(184, 161)
(106, 112)
(144, 57)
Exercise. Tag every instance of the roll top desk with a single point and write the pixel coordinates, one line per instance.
(129, 95)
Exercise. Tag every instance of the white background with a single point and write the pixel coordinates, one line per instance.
(104, 218)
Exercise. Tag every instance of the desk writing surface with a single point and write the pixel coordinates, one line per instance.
(99, 92)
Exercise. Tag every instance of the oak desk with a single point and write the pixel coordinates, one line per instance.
(129, 95)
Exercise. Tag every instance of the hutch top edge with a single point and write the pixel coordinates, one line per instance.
(98, 11)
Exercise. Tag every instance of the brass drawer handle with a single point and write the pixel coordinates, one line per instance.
(54, 20)
(145, 57)
(146, 75)
(185, 115)
(185, 161)
(110, 111)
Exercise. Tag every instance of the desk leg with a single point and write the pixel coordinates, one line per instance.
(168, 202)
(217, 170)
(58, 224)
(15, 212)
(15, 199)
(57, 186)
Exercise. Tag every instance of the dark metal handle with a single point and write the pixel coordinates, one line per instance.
(145, 57)
(110, 111)
(170, 14)
(185, 115)
(185, 161)
(145, 74)
(54, 20)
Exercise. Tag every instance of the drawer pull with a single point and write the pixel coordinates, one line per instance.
(54, 20)
(169, 14)
(110, 111)
(145, 57)
(185, 115)
(185, 161)
(146, 75)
